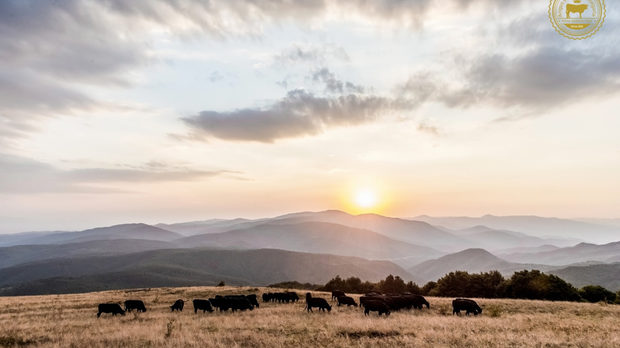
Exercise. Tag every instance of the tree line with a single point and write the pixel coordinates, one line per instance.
(532, 285)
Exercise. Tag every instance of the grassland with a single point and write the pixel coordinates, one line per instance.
(70, 321)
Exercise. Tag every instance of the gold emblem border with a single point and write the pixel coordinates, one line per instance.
(572, 37)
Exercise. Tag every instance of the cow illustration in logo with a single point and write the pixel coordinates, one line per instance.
(577, 7)
(577, 19)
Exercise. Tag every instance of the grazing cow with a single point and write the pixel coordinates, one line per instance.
(113, 308)
(220, 303)
(376, 306)
(267, 297)
(417, 301)
(320, 303)
(463, 304)
(177, 306)
(238, 302)
(138, 305)
(292, 296)
(575, 8)
(253, 300)
(336, 294)
(346, 300)
(364, 299)
(203, 305)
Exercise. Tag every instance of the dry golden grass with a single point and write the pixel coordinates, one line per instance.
(70, 321)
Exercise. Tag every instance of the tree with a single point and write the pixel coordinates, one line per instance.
(391, 284)
(413, 288)
(536, 285)
(596, 293)
(429, 289)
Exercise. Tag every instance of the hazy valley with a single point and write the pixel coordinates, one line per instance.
(305, 247)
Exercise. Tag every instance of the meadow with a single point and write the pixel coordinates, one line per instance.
(70, 321)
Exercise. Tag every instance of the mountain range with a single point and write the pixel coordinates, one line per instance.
(305, 246)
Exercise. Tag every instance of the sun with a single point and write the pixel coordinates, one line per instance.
(365, 198)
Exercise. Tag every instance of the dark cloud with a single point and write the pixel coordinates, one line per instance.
(22, 175)
(300, 113)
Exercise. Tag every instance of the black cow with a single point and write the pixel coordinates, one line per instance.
(336, 294)
(280, 297)
(320, 303)
(364, 299)
(346, 300)
(238, 302)
(267, 297)
(138, 305)
(113, 308)
(220, 303)
(177, 306)
(292, 296)
(253, 300)
(376, 306)
(417, 301)
(203, 305)
(467, 305)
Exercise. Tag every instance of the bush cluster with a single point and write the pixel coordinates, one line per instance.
(532, 285)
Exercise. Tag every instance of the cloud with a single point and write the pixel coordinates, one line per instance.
(54, 52)
(540, 72)
(299, 113)
(334, 85)
(428, 128)
(23, 175)
(311, 54)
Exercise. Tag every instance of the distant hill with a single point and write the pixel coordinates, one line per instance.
(515, 250)
(488, 238)
(187, 267)
(414, 232)
(582, 252)
(124, 231)
(208, 226)
(313, 237)
(542, 227)
(605, 275)
(23, 238)
(470, 260)
(10, 256)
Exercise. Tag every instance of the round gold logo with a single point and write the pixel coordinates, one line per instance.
(577, 19)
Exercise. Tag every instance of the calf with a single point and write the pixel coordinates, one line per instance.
(177, 306)
(467, 305)
(113, 308)
(346, 300)
(319, 303)
(203, 305)
(138, 305)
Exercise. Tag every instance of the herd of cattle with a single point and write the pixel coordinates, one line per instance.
(370, 302)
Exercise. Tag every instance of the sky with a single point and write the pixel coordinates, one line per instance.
(151, 111)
